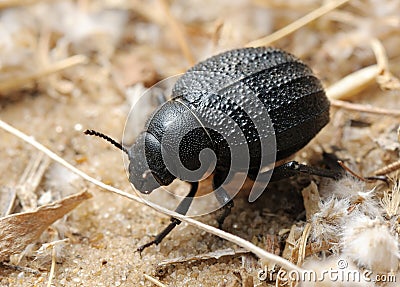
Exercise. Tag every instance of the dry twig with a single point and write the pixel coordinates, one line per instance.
(352, 84)
(385, 78)
(53, 265)
(292, 27)
(30, 180)
(303, 244)
(13, 3)
(7, 200)
(364, 108)
(16, 82)
(154, 280)
(177, 31)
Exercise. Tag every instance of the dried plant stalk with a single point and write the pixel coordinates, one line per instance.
(13, 3)
(154, 281)
(30, 180)
(385, 78)
(303, 244)
(312, 16)
(177, 31)
(364, 108)
(7, 85)
(353, 84)
(346, 88)
(53, 266)
(7, 200)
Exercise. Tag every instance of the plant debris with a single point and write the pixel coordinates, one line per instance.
(21, 229)
(205, 256)
(67, 66)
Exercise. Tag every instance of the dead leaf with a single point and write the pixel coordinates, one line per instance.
(311, 199)
(294, 235)
(21, 229)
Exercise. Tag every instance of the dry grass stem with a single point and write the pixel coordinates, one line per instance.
(303, 244)
(53, 265)
(353, 84)
(178, 32)
(364, 108)
(262, 254)
(7, 85)
(292, 27)
(380, 55)
(14, 3)
(52, 244)
(8, 195)
(154, 281)
(30, 180)
(147, 10)
(385, 78)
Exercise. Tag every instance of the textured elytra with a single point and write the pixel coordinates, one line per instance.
(250, 107)
(226, 84)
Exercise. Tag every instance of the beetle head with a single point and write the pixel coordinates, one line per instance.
(147, 170)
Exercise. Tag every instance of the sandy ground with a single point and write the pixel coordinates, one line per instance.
(140, 47)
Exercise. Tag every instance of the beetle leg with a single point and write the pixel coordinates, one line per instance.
(226, 210)
(293, 168)
(223, 197)
(182, 208)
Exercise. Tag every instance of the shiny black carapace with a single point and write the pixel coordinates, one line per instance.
(230, 89)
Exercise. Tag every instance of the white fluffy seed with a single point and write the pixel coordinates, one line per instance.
(370, 244)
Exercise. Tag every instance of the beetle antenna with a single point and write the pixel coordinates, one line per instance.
(107, 138)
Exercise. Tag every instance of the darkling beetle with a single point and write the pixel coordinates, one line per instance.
(292, 95)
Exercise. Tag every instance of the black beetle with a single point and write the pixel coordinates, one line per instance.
(279, 83)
